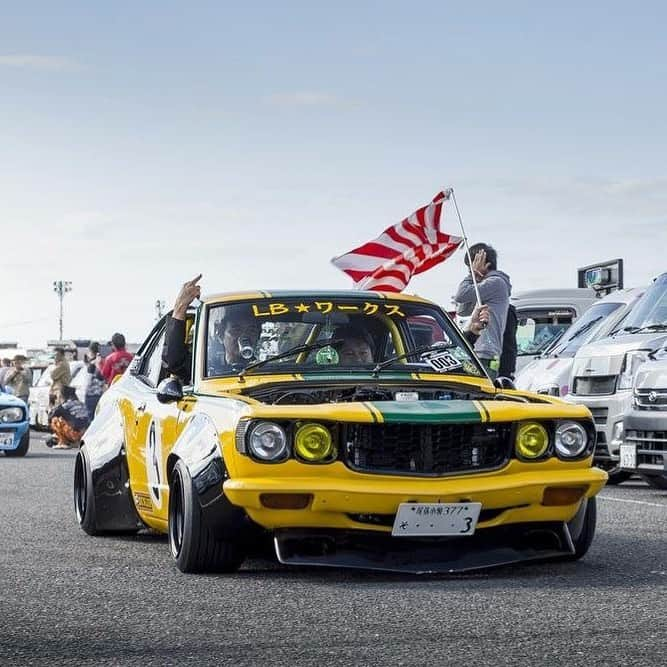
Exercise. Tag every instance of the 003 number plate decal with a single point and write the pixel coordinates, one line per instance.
(436, 519)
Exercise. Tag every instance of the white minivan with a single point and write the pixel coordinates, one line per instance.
(550, 374)
(603, 373)
(543, 315)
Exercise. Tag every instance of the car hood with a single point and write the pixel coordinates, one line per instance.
(605, 357)
(652, 375)
(9, 401)
(543, 373)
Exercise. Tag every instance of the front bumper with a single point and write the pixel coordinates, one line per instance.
(376, 551)
(353, 501)
(18, 430)
(607, 410)
(647, 430)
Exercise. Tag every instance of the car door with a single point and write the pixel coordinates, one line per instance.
(151, 430)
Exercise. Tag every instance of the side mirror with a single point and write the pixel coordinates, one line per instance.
(170, 390)
(501, 383)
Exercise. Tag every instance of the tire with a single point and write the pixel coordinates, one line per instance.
(618, 476)
(84, 499)
(194, 547)
(23, 447)
(656, 481)
(582, 528)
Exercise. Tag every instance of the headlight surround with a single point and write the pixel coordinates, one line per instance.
(570, 439)
(531, 440)
(313, 443)
(267, 441)
(631, 363)
(11, 415)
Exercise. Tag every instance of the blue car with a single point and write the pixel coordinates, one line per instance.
(14, 426)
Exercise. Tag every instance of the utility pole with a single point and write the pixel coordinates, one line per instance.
(61, 287)
(159, 309)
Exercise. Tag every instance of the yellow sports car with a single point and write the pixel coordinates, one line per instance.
(358, 429)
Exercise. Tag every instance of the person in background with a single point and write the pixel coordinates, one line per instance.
(494, 291)
(68, 421)
(116, 363)
(96, 385)
(4, 369)
(19, 378)
(61, 376)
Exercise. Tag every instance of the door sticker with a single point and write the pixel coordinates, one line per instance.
(153, 463)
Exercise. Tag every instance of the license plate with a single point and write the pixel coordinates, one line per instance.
(6, 440)
(629, 457)
(435, 519)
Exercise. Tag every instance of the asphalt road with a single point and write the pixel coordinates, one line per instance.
(67, 598)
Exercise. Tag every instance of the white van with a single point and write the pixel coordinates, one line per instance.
(603, 373)
(550, 374)
(543, 316)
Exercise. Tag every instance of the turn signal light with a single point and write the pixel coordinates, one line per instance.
(563, 495)
(285, 501)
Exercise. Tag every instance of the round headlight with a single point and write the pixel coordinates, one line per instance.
(571, 439)
(532, 440)
(313, 443)
(11, 415)
(267, 441)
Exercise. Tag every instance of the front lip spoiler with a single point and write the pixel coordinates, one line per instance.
(490, 547)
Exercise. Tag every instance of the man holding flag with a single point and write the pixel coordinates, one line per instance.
(494, 289)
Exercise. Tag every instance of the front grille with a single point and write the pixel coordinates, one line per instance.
(425, 449)
(600, 415)
(594, 386)
(651, 399)
(651, 446)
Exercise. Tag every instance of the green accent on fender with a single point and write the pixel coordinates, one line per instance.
(431, 412)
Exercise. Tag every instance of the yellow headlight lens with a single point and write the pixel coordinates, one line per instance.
(532, 440)
(313, 443)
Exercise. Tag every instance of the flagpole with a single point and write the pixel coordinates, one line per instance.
(465, 243)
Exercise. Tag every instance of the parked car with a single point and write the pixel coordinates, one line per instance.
(38, 400)
(644, 447)
(14, 426)
(550, 374)
(544, 315)
(603, 373)
(408, 459)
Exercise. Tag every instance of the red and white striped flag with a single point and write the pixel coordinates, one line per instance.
(413, 246)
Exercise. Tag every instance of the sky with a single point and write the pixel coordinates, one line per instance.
(142, 143)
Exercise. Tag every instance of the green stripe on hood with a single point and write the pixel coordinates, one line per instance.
(432, 412)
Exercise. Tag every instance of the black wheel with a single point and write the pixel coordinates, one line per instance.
(84, 500)
(617, 476)
(656, 481)
(582, 528)
(23, 447)
(193, 545)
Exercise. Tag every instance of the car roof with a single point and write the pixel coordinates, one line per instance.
(310, 294)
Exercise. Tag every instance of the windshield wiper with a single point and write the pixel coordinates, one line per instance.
(440, 345)
(627, 330)
(654, 327)
(297, 349)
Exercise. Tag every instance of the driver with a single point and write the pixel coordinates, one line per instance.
(233, 342)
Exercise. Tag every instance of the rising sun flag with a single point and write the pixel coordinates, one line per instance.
(412, 246)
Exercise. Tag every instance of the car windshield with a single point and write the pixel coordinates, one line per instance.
(582, 330)
(537, 329)
(651, 309)
(364, 332)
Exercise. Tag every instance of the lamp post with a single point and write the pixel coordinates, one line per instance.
(61, 287)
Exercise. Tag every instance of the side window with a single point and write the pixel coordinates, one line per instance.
(151, 367)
